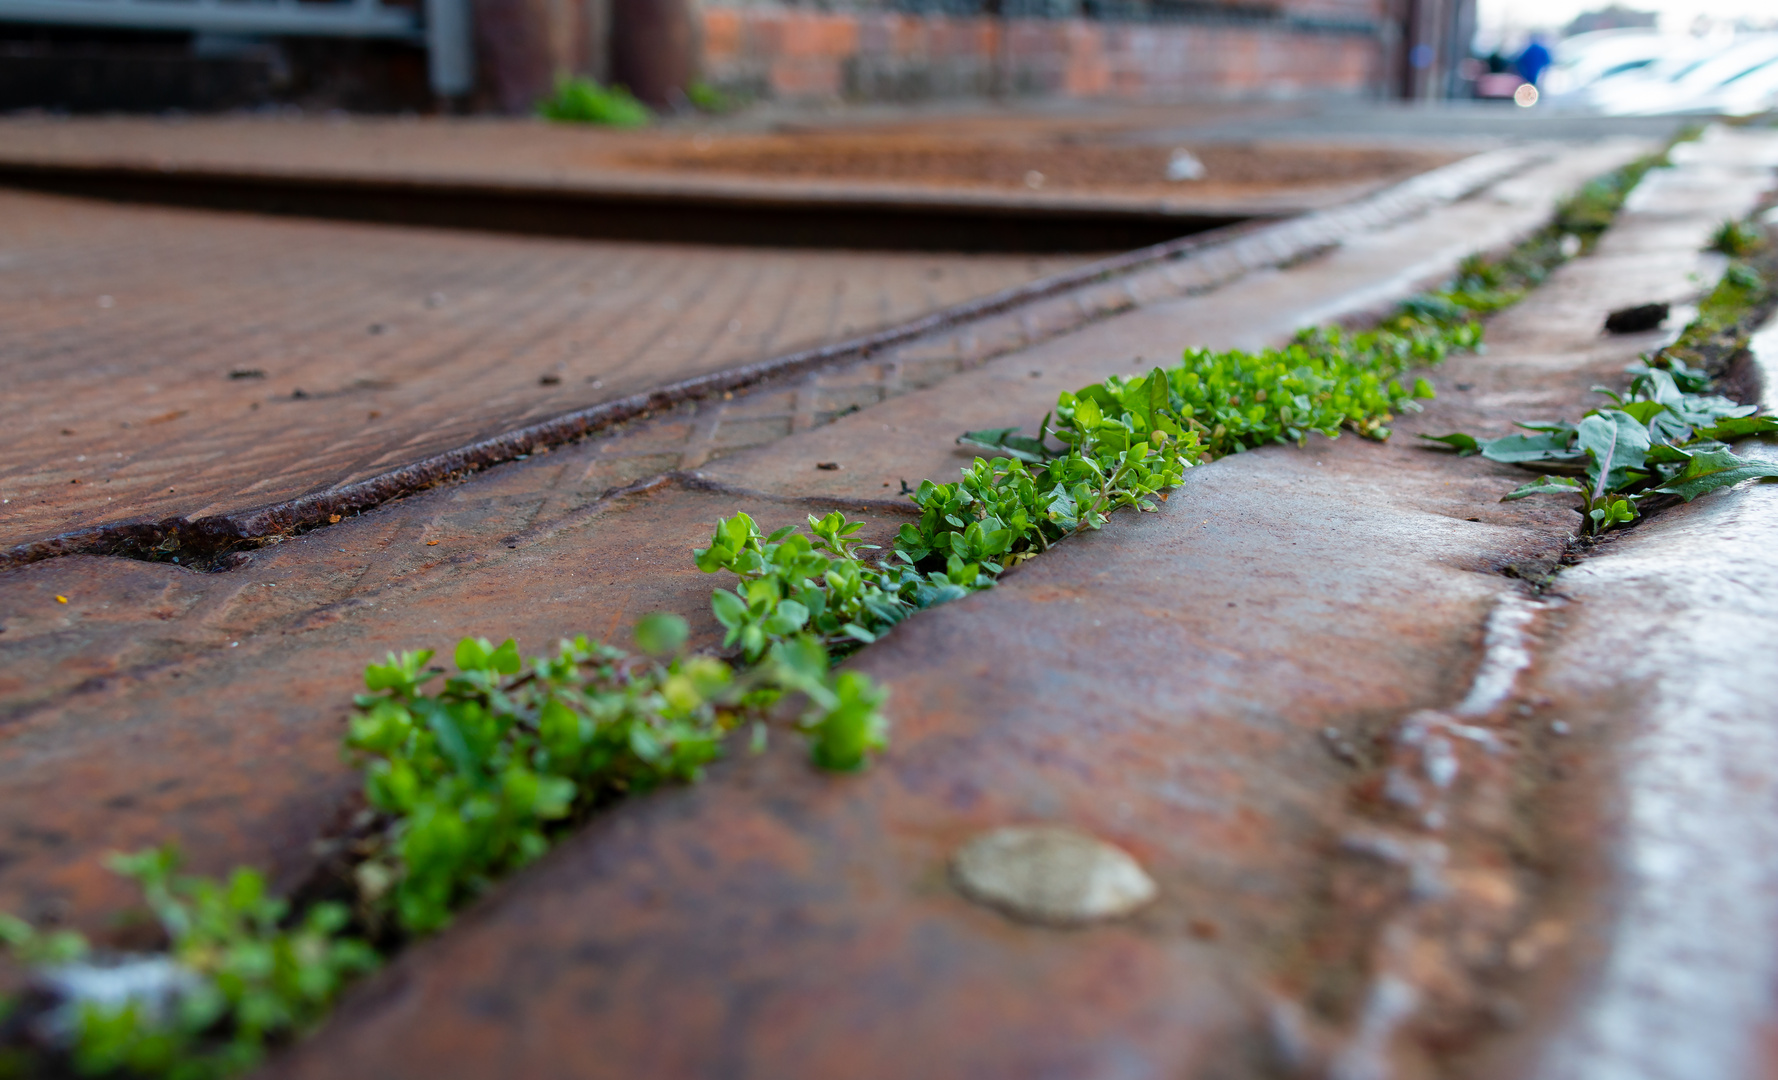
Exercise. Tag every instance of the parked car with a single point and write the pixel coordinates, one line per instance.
(1584, 59)
(1753, 90)
(1734, 75)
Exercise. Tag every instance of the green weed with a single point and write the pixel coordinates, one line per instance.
(247, 973)
(1734, 239)
(579, 100)
(469, 780)
(1668, 435)
(707, 98)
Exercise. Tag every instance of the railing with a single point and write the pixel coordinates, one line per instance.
(444, 31)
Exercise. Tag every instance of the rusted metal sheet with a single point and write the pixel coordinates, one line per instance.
(1162, 685)
(356, 470)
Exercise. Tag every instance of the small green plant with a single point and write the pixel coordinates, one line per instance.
(1666, 437)
(1734, 239)
(710, 99)
(474, 776)
(469, 781)
(968, 532)
(244, 972)
(578, 100)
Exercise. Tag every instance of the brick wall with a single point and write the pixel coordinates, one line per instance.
(785, 53)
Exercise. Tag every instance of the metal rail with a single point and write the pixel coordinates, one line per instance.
(444, 32)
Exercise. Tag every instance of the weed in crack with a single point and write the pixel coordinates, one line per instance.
(1666, 439)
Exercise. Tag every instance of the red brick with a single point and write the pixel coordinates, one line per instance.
(722, 35)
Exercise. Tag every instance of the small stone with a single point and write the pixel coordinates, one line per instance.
(1053, 875)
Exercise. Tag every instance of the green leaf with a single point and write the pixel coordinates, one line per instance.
(1087, 416)
(1709, 470)
(1465, 445)
(505, 659)
(731, 610)
(1643, 411)
(1739, 427)
(661, 633)
(1546, 485)
(474, 654)
(451, 739)
(1529, 449)
(1618, 445)
(788, 619)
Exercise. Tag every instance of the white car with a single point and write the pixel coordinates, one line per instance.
(1681, 53)
(1691, 86)
(1584, 59)
(1753, 90)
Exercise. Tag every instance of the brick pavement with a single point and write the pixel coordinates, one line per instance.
(164, 362)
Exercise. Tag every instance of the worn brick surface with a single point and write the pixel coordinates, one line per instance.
(784, 52)
(127, 326)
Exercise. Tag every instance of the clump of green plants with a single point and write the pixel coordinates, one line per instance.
(1666, 438)
(1485, 284)
(467, 781)
(1121, 443)
(1000, 512)
(241, 970)
(473, 777)
(711, 99)
(578, 100)
(1117, 444)
(1734, 239)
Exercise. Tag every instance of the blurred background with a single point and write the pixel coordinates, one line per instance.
(1648, 57)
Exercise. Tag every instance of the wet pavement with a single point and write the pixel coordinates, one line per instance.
(1224, 689)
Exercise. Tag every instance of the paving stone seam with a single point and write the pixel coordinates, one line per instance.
(692, 480)
(1240, 249)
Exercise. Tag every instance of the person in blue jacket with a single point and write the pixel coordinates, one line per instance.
(1532, 61)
